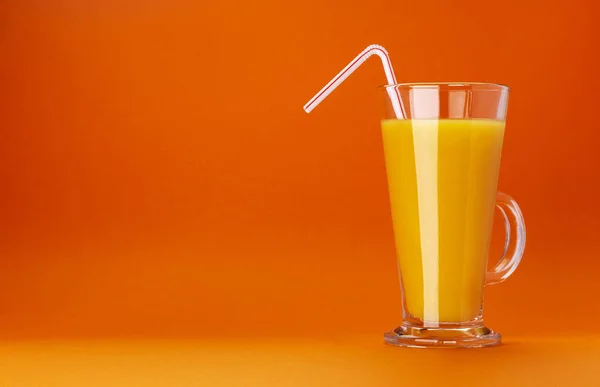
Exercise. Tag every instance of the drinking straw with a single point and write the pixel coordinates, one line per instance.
(371, 50)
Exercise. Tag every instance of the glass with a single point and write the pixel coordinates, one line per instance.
(442, 161)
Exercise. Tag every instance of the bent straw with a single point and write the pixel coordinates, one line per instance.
(371, 50)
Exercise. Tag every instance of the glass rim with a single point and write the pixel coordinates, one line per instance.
(458, 85)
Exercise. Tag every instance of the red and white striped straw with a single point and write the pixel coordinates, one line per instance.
(373, 49)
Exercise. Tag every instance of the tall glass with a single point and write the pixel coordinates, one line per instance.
(442, 161)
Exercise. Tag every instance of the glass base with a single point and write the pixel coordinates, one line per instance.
(442, 337)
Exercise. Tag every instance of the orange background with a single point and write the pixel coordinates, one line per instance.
(160, 178)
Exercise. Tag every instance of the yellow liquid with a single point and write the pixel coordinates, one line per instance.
(442, 178)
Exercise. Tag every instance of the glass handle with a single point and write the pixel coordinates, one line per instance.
(514, 246)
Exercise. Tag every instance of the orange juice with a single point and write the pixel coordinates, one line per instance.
(442, 178)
